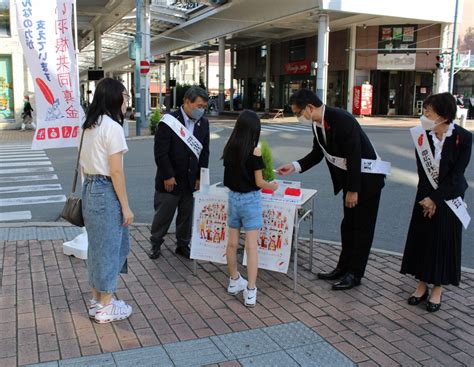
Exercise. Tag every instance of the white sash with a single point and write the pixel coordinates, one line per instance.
(431, 168)
(367, 165)
(183, 133)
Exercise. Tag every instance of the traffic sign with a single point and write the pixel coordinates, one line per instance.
(144, 67)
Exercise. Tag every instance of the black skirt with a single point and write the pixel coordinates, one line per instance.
(433, 247)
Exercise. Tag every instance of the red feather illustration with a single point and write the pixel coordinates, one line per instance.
(48, 95)
(420, 140)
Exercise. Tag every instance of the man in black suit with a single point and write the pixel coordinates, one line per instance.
(179, 164)
(350, 157)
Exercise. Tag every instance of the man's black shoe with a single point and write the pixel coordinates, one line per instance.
(347, 282)
(154, 254)
(183, 251)
(332, 275)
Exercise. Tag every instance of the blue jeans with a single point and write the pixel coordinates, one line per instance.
(109, 242)
(245, 210)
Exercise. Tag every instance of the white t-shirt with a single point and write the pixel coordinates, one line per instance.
(99, 143)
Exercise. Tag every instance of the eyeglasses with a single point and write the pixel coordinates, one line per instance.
(300, 112)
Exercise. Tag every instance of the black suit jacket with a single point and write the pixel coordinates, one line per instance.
(173, 158)
(455, 157)
(346, 139)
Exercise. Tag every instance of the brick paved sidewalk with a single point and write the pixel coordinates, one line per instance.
(44, 293)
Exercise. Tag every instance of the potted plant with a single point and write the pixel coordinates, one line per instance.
(268, 174)
(154, 121)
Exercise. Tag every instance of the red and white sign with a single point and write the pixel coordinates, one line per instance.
(45, 32)
(144, 67)
(298, 67)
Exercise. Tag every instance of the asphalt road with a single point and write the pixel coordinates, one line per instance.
(288, 142)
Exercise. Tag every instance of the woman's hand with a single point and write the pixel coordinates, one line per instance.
(351, 199)
(429, 207)
(127, 216)
(286, 169)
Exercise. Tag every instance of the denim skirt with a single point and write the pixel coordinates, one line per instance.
(109, 242)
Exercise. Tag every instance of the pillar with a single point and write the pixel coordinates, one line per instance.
(221, 73)
(441, 75)
(232, 78)
(207, 71)
(167, 77)
(352, 62)
(98, 48)
(323, 47)
(267, 78)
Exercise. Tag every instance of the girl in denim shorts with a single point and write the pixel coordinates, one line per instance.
(104, 199)
(243, 165)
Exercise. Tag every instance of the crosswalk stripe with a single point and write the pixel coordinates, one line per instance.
(26, 170)
(15, 147)
(9, 159)
(10, 216)
(47, 177)
(25, 164)
(29, 188)
(8, 149)
(30, 200)
(22, 154)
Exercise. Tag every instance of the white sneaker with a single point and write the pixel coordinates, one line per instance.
(250, 297)
(93, 306)
(237, 285)
(114, 311)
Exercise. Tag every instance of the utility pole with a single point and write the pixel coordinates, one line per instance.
(453, 49)
(138, 52)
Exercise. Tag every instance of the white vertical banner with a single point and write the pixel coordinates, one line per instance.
(45, 31)
(210, 232)
(275, 238)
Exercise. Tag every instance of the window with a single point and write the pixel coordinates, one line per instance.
(397, 38)
(5, 18)
(6, 88)
(261, 55)
(297, 50)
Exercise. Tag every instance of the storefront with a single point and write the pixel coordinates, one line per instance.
(7, 112)
(297, 75)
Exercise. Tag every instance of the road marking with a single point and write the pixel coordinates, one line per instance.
(14, 216)
(15, 147)
(23, 154)
(28, 178)
(3, 150)
(29, 188)
(286, 128)
(9, 159)
(26, 170)
(25, 164)
(30, 200)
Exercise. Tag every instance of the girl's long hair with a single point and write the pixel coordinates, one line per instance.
(108, 100)
(244, 138)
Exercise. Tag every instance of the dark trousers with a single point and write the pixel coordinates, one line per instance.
(357, 234)
(165, 205)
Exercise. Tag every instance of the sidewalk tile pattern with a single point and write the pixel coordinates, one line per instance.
(43, 298)
(249, 348)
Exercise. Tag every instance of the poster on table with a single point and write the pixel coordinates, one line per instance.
(210, 233)
(275, 237)
(45, 32)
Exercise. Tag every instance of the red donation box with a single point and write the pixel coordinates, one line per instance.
(362, 100)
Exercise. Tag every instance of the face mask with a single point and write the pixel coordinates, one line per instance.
(304, 120)
(426, 123)
(197, 113)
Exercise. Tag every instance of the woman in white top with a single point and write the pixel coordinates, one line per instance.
(104, 199)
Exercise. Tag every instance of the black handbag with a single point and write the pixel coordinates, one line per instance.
(72, 210)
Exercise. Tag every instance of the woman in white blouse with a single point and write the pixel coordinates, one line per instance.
(104, 199)
(433, 247)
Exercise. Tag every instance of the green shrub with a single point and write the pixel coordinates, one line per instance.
(154, 121)
(268, 174)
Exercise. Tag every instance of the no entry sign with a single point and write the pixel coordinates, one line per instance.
(144, 67)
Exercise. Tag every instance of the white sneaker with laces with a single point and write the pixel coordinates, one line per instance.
(93, 306)
(236, 285)
(250, 297)
(114, 311)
